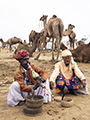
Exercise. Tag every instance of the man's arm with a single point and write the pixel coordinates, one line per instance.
(54, 76)
(80, 75)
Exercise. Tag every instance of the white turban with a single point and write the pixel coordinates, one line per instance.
(68, 53)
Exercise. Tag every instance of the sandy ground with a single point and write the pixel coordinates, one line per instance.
(81, 103)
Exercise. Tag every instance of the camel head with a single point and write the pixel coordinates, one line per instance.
(70, 26)
(44, 17)
(3, 43)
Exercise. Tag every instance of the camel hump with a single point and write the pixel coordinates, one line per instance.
(15, 37)
(54, 16)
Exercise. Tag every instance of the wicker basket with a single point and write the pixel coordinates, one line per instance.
(67, 102)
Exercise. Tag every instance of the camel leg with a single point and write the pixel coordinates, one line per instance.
(41, 50)
(45, 46)
(52, 49)
(10, 48)
(38, 55)
(58, 46)
(73, 43)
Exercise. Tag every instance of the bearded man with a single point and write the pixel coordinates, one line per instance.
(67, 73)
(24, 81)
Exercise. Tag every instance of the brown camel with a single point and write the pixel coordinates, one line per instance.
(11, 41)
(33, 37)
(40, 41)
(72, 39)
(81, 53)
(54, 29)
(44, 19)
(69, 33)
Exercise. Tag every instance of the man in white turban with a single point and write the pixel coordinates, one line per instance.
(67, 73)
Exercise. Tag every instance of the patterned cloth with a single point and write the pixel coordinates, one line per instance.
(21, 54)
(70, 83)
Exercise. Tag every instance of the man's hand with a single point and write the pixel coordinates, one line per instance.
(41, 79)
(37, 84)
(83, 82)
(51, 85)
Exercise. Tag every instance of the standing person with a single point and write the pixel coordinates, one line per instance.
(24, 81)
(67, 73)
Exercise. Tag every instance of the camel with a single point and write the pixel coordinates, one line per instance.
(81, 53)
(33, 36)
(40, 41)
(11, 41)
(44, 19)
(54, 29)
(72, 39)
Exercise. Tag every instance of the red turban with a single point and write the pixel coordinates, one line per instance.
(21, 54)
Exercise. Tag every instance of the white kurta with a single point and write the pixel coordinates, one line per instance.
(15, 95)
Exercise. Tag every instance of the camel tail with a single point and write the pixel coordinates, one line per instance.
(60, 28)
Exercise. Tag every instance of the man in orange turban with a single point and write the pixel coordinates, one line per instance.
(24, 81)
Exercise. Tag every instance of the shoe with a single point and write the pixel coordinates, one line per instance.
(73, 92)
(21, 103)
(60, 93)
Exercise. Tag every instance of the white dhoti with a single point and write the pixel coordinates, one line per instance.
(15, 94)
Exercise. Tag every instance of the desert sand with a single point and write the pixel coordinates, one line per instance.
(81, 103)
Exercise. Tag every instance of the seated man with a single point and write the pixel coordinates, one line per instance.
(24, 81)
(67, 73)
